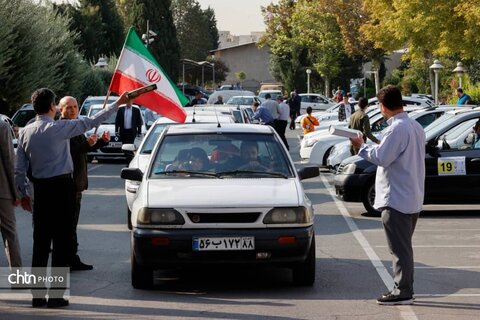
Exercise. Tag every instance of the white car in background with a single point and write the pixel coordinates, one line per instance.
(91, 100)
(273, 94)
(316, 101)
(141, 155)
(243, 100)
(424, 117)
(114, 148)
(227, 94)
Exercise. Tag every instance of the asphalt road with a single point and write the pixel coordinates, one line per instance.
(353, 267)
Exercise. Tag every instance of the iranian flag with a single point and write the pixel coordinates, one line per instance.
(136, 68)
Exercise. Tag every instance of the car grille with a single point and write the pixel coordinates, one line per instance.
(236, 217)
(340, 168)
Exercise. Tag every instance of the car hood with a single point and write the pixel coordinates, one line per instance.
(264, 192)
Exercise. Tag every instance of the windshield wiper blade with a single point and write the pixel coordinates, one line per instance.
(200, 173)
(236, 172)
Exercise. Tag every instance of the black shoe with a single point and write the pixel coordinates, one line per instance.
(39, 302)
(390, 293)
(391, 299)
(57, 303)
(78, 265)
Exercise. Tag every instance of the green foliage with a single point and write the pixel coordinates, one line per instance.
(241, 76)
(36, 50)
(165, 48)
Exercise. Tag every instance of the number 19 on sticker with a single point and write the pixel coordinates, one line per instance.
(446, 167)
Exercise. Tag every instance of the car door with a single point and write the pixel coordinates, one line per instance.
(453, 167)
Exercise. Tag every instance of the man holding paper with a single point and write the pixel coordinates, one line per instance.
(360, 121)
(399, 187)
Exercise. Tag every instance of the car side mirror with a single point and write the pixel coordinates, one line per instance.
(133, 174)
(308, 172)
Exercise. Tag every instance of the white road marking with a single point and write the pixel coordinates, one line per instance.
(440, 246)
(406, 312)
(95, 167)
(449, 267)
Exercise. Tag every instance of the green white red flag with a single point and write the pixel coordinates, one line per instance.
(136, 68)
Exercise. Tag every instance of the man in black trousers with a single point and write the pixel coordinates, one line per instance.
(79, 148)
(128, 123)
(43, 147)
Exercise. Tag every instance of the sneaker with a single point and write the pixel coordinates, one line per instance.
(391, 299)
(390, 292)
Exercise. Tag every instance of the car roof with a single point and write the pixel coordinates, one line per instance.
(224, 128)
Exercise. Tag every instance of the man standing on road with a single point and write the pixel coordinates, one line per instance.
(360, 121)
(8, 197)
(272, 106)
(43, 146)
(345, 110)
(79, 147)
(399, 187)
(295, 103)
(282, 121)
(128, 123)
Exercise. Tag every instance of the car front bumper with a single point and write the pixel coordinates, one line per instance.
(177, 250)
(349, 187)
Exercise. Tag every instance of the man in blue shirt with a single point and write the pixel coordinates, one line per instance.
(263, 114)
(399, 187)
(463, 98)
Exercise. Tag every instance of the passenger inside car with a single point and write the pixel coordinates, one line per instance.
(249, 159)
(224, 151)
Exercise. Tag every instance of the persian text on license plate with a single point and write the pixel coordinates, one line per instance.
(114, 145)
(224, 243)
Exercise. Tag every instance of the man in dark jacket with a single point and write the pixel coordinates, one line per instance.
(128, 123)
(79, 147)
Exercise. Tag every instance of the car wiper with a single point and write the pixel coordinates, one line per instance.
(200, 173)
(239, 172)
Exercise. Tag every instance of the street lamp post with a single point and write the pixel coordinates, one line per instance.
(436, 66)
(308, 71)
(459, 70)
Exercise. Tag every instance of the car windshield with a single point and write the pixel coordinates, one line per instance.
(152, 137)
(240, 101)
(110, 120)
(85, 108)
(227, 155)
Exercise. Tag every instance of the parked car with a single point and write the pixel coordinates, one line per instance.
(24, 115)
(452, 174)
(273, 94)
(91, 100)
(243, 100)
(341, 150)
(315, 101)
(141, 156)
(227, 94)
(190, 210)
(114, 148)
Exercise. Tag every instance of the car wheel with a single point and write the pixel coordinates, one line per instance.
(368, 198)
(142, 277)
(129, 219)
(304, 273)
(325, 156)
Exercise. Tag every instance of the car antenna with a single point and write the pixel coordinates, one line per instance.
(216, 116)
(193, 114)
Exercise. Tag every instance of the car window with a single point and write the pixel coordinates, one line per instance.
(229, 155)
(85, 108)
(426, 119)
(22, 117)
(456, 137)
(152, 138)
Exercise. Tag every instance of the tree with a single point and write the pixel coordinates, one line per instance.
(241, 76)
(196, 29)
(165, 48)
(36, 50)
(99, 25)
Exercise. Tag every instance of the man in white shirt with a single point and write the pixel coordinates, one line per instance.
(282, 121)
(399, 187)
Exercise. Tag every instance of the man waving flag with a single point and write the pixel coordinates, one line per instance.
(136, 68)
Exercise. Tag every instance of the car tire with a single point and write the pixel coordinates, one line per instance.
(142, 277)
(368, 198)
(304, 273)
(129, 219)
(326, 155)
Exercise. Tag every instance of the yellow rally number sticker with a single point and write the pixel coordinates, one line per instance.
(451, 166)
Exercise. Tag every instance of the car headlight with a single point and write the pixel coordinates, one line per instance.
(349, 169)
(150, 216)
(288, 215)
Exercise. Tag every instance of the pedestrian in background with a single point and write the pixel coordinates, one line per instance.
(128, 123)
(79, 148)
(43, 146)
(309, 122)
(345, 110)
(272, 107)
(8, 198)
(463, 98)
(219, 100)
(262, 114)
(294, 103)
(360, 121)
(282, 121)
(399, 188)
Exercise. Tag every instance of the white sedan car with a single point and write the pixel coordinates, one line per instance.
(141, 156)
(316, 101)
(248, 207)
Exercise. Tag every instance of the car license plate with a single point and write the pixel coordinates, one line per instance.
(117, 144)
(224, 243)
